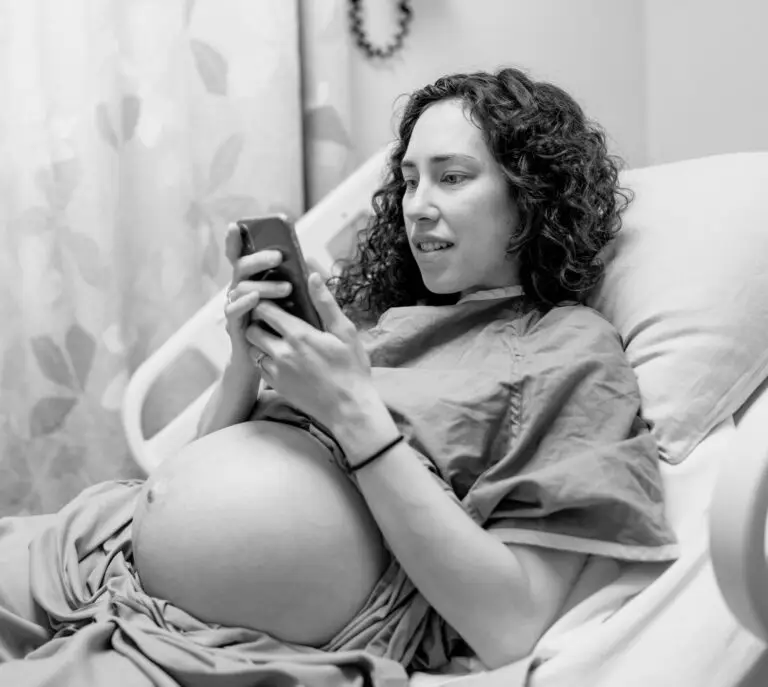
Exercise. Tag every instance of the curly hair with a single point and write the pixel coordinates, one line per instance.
(560, 176)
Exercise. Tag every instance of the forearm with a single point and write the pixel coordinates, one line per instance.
(232, 401)
(474, 581)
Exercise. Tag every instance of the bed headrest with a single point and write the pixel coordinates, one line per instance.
(686, 286)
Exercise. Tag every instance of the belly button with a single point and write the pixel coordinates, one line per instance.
(156, 491)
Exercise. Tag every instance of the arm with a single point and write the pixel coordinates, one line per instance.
(232, 400)
(499, 598)
(236, 393)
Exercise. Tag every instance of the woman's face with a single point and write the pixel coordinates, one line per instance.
(457, 210)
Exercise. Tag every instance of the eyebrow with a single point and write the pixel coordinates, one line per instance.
(436, 159)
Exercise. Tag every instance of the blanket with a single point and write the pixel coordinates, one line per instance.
(72, 612)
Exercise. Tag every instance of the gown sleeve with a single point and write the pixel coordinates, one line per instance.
(579, 470)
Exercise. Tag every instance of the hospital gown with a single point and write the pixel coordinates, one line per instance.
(529, 419)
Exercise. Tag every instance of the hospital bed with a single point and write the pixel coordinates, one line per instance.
(687, 287)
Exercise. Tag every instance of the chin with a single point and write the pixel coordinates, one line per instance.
(443, 290)
(441, 287)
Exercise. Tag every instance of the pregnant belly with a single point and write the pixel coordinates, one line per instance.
(255, 526)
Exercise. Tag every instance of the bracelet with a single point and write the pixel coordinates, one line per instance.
(379, 453)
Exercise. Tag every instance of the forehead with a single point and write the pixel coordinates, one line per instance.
(446, 127)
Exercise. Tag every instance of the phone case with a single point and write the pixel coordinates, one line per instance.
(275, 232)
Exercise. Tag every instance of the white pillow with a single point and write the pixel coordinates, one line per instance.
(686, 286)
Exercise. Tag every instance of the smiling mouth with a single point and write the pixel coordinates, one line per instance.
(433, 246)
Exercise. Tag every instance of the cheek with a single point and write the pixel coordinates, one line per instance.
(503, 222)
(490, 229)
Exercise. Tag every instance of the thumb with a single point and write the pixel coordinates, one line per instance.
(332, 316)
(232, 244)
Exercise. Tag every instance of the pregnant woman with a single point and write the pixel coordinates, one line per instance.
(425, 488)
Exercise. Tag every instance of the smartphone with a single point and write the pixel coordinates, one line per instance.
(276, 232)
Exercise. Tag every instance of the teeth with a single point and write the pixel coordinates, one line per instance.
(429, 246)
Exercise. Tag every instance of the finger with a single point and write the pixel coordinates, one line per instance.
(250, 265)
(256, 355)
(266, 366)
(240, 303)
(232, 244)
(264, 341)
(268, 369)
(266, 289)
(246, 295)
(334, 319)
(284, 323)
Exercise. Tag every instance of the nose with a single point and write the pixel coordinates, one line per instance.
(419, 206)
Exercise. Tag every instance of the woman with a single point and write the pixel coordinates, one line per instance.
(433, 485)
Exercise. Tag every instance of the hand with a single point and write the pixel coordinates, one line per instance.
(244, 293)
(326, 374)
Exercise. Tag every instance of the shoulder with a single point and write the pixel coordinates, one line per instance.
(574, 327)
(575, 341)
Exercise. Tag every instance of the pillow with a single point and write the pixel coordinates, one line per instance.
(686, 285)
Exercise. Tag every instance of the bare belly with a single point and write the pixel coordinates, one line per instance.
(255, 526)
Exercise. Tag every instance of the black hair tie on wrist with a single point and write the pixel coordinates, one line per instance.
(380, 452)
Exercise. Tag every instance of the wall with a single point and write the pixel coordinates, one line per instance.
(706, 78)
(592, 48)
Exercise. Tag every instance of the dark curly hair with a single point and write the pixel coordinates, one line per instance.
(560, 175)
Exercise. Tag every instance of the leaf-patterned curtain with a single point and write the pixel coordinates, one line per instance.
(325, 60)
(131, 132)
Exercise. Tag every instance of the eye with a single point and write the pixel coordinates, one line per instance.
(410, 184)
(452, 178)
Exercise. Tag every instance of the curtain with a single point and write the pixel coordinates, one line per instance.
(326, 59)
(131, 132)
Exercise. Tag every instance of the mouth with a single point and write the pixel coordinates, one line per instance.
(426, 247)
